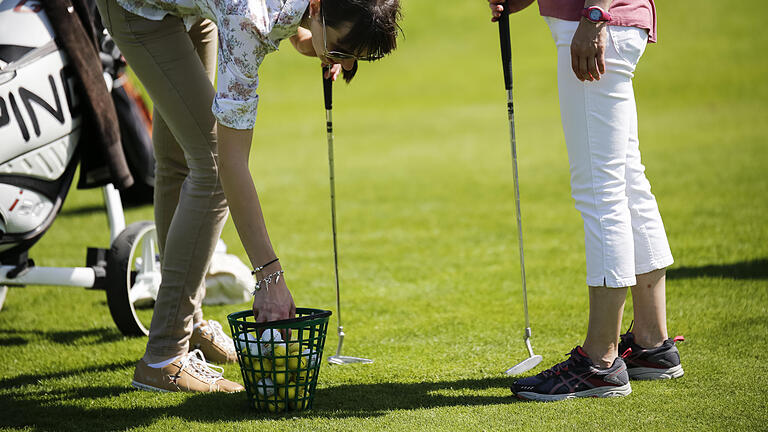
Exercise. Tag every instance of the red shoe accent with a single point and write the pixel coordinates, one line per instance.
(626, 353)
(678, 338)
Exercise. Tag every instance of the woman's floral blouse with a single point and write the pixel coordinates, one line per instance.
(248, 30)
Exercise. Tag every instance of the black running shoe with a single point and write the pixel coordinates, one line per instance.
(662, 362)
(575, 377)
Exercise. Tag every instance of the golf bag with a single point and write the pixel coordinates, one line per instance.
(40, 126)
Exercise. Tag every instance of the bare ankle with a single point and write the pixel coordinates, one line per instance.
(648, 340)
(601, 358)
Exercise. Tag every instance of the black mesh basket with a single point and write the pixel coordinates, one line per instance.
(280, 375)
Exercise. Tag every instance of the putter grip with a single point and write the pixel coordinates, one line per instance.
(327, 88)
(506, 49)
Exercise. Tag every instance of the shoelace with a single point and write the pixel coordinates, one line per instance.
(626, 334)
(560, 367)
(195, 360)
(219, 336)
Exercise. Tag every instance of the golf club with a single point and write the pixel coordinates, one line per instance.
(337, 358)
(506, 63)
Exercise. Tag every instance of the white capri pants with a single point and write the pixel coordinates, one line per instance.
(623, 232)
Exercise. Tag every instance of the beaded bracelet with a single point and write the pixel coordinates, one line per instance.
(258, 269)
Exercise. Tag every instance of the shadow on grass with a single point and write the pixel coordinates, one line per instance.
(85, 210)
(28, 379)
(754, 269)
(66, 409)
(95, 336)
(365, 400)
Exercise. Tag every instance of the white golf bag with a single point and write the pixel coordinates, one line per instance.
(40, 125)
(39, 128)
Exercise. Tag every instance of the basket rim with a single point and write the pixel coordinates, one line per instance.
(238, 318)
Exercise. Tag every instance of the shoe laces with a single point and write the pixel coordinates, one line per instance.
(566, 365)
(557, 369)
(215, 328)
(195, 361)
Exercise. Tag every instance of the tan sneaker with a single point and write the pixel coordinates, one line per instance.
(189, 373)
(210, 338)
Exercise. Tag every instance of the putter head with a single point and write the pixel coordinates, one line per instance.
(341, 360)
(525, 365)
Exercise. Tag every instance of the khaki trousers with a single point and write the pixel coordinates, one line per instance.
(177, 68)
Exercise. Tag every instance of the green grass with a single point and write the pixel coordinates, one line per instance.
(430, 274)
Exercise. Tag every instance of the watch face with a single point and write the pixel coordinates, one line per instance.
(595, 15)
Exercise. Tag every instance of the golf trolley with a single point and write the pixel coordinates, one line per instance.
(40, 129)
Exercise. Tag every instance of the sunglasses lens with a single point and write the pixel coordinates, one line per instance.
(340, 55)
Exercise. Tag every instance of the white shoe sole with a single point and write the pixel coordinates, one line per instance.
(595, 392)
(145, 387)
(643, 373)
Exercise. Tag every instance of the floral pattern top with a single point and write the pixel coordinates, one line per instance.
(248, 31)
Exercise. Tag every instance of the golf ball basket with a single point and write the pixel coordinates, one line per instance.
(279, 375)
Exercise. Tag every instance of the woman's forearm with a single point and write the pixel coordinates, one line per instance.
(518, 5)
(302, 41)
(234, 147)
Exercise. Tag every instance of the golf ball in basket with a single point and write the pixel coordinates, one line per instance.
(311, 358)
(265, 387)
(269, 335)
(248, 343)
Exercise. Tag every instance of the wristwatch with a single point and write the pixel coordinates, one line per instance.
(595, 14)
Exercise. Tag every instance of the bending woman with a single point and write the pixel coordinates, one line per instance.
(202, 140)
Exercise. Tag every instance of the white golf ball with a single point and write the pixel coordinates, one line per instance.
(267, 336)
(311, 358)
(249, 342)
(265, 387)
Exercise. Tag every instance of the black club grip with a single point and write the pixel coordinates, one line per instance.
(506, 49)
(327, 88)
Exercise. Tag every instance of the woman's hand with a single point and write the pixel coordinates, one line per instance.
(511, 6)
(273, 302)
(588, 50)
(333, 72)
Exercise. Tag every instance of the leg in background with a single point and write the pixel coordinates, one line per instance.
(649, 303)
(606, 306)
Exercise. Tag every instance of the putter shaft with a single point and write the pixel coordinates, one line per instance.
(506, 60)
(337, 358)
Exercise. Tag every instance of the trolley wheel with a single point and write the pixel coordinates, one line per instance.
(133, 278)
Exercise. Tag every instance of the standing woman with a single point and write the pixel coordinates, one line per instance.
(202, 140)
(599, 43)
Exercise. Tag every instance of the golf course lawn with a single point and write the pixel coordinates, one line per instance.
(430, 275)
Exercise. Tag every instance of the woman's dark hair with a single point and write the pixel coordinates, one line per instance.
(373, 24)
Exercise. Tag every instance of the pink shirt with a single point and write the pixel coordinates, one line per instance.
(625, 13)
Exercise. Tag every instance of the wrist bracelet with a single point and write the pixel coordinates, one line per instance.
(266, 281)
(258, 269)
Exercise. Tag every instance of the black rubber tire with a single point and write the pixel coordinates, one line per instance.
(119, 280)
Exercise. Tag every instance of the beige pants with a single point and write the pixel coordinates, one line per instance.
(177, 69)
